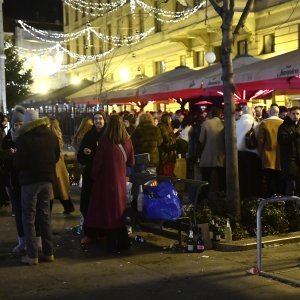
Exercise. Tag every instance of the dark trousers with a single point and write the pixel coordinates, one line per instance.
(274, 182)
(250, 174)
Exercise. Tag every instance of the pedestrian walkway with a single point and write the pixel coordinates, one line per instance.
(151, 270)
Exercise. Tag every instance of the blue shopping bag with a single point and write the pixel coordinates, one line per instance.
(161, 202)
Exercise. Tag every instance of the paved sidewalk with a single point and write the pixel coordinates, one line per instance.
(148, 271)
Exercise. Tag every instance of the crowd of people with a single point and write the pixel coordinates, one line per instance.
(33, 172)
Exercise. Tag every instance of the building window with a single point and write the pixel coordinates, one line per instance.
(109, 35)
(77, 46)
(242, 47)
(198, 59)
(76, 12)
(157, 24)
(119, 26)
(179, 7)
(159, 67)
(66, 16)
(182, 60)
(269, 43)
(83, 12)
(218, 53)
(142, 22)
(129, 25)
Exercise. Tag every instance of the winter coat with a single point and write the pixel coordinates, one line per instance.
(108, 196)
(90, 140)
(61, 185)
(167, 149)
(267, 143)
(37, 152)
(146, 138)
(288, 138)
(243, 125)
(213, 140)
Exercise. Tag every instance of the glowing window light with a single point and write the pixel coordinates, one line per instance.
(43, 88)
(76, 80)
(124, 74)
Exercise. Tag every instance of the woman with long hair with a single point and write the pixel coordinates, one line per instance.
(106, 211)
(61, 186)
(167, 150)
(85, 125)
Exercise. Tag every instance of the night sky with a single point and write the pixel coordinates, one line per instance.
(49, 10)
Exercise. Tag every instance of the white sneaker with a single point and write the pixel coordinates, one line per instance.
(29, 261)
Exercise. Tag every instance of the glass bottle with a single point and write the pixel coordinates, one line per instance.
(190, 242)
(199, 243)
(228, 232)
(140, 200)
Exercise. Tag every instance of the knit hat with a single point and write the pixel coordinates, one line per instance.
(31, 115)
(17, 114)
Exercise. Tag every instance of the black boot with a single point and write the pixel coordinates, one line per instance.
(68, 206)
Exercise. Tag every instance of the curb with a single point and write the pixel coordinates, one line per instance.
(250, 244)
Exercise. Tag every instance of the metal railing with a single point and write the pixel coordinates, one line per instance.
(259, 238)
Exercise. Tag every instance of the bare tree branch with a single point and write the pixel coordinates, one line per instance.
(243, 18)
(217, 8)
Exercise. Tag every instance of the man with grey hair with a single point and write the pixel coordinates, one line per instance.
(248, 159)
(269, 152)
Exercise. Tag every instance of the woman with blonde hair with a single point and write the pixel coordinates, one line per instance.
(106, 211)
(61, 186)
(86, 124)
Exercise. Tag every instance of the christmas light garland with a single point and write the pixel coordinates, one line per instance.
(62, 38)
(155, 12)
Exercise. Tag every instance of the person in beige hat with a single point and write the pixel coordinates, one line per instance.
(35, 159)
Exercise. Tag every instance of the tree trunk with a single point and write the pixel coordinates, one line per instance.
(232, 176)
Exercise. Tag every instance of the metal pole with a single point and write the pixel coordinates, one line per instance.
(3, 107)
(262, 204)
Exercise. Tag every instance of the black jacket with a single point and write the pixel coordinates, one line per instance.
(288, 138)
(37, 152)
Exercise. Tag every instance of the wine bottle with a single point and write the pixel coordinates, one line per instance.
(199, 243)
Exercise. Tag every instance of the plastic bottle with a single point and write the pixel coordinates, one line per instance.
(199, 243)
(140, 200)
(217, 234)
(190, 242)
(228, 232)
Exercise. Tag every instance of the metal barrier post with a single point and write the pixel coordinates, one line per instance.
(259, 237)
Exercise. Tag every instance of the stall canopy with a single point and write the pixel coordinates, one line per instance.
(56, 96)
(188, 84)
(258, 79)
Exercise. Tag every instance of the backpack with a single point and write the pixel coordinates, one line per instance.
(250, 139)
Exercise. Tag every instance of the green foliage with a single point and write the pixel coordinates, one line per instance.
(277, 217)
(17, 78)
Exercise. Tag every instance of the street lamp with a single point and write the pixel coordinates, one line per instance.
(210, 57)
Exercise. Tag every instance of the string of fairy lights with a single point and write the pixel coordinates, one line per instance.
(98, 9)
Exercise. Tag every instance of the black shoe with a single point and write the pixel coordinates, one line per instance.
(69, 211)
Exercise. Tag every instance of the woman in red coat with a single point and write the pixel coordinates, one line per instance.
(108, 197)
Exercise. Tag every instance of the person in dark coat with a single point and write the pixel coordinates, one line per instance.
(107, 205)
(288, 138)
(146, 138)
(9, 146)
(85, 155)
(35, 159)
(4, 199)
(167, 149)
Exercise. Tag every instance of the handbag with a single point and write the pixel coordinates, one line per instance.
(250, 138)
(161, 202)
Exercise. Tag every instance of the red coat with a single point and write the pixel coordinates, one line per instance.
(108, 196)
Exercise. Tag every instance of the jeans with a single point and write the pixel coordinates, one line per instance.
(36, 207)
